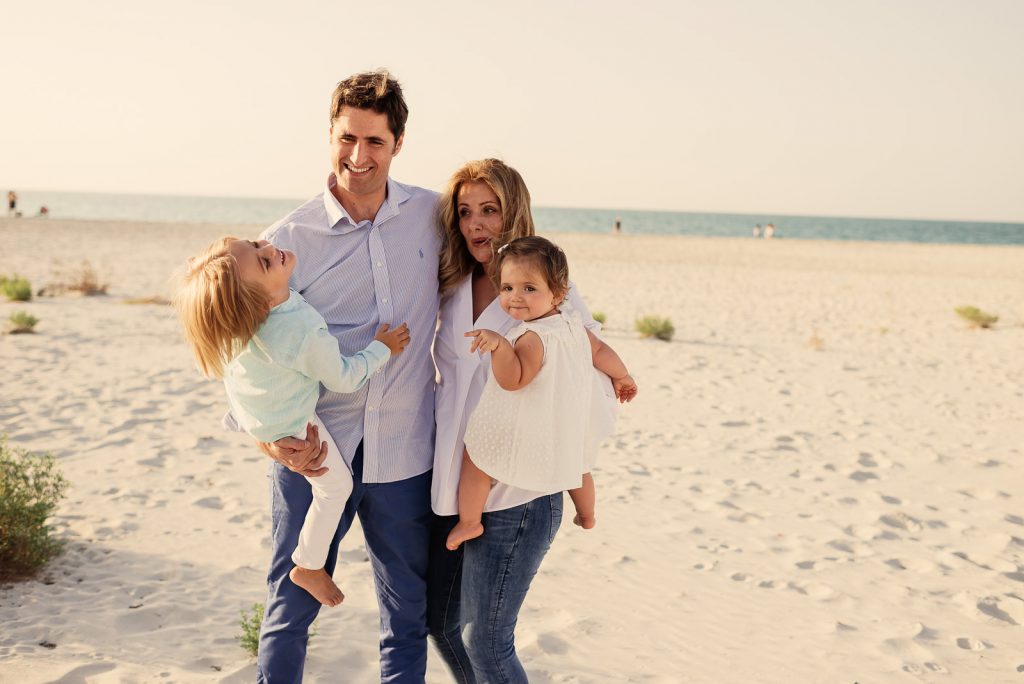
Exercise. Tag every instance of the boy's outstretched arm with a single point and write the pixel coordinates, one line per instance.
(609, 363)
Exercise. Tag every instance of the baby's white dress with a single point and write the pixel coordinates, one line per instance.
(544, 436)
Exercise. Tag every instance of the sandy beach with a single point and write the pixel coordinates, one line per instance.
(820, 481)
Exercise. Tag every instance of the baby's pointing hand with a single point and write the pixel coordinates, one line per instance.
(483, 340)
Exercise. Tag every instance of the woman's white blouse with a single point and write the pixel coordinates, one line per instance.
(462, 379)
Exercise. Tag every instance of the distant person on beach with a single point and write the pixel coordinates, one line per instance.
(366, 253)
(43, 211)
(273, 351)
(757, 230)
(544, 363)
(12, 203)
(481, 585)
(618, 225)
(769, 231)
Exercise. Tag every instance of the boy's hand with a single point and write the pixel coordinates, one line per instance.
(484, 340)
(625, 388)
(396, 340)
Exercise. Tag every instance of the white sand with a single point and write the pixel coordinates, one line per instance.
(768, 512)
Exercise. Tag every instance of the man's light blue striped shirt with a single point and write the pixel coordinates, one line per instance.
(359, 276)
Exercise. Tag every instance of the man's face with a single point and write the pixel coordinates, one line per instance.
(362, 147)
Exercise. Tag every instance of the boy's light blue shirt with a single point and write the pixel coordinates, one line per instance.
(273, 385)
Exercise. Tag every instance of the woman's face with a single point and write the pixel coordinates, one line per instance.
(479, 219)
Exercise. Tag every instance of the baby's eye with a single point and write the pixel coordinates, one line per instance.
(530, 288)
(506, 288)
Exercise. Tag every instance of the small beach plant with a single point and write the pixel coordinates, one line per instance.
(976, 317)
(154, 299)
(22, 322)
(16, 289)
(600, 317)
(30, 488)
(82, 279)
(655, 326)
(251, 620)
(816, 341)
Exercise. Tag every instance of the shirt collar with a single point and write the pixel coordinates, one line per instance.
(339, 219)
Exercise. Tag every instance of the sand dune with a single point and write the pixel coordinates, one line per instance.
(821, 480)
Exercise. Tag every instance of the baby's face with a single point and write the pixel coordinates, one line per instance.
(524, 293)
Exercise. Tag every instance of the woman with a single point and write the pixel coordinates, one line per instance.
(485, 205)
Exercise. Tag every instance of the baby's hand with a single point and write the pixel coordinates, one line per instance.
(625, 388)
(396, 340)
(484, 340)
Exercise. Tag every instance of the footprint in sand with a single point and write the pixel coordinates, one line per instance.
(549, 643)
(990, 606)
(969, 644)
(209, 502)
(901, 521)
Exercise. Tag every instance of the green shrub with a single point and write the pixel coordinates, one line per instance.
(655, 326)
(22, 322)
(17, 289)
(976, 317)
(30, 487)
(251, 620)
(599, 317)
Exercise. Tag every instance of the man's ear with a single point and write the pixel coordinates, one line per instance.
(398, 144)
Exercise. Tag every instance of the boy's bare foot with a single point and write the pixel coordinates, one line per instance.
(463, 532)
(584, 521)
(319, 584)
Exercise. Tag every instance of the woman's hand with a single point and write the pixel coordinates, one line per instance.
(304, 457)
(625, 388)
(484, 340)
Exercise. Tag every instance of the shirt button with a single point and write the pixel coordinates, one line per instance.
(385, 300)
(379, 264)
(369, 408)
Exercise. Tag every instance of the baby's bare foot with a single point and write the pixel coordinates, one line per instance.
(463, 532)
(319, 584)
(584, 521)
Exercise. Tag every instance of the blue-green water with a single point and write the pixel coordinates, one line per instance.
(266, 211)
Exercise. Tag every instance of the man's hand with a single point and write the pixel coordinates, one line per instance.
(625, 388)
(304, 457)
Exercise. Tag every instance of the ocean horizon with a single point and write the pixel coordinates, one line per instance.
(264, 211)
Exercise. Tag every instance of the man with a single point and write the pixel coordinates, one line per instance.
(367, 254)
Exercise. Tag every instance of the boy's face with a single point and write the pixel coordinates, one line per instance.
(266, 266)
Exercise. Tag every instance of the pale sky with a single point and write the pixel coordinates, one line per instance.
(890, 108)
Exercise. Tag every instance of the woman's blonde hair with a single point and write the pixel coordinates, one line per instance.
(219, 311)
(456, 262)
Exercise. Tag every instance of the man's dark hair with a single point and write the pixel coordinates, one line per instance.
(374, 90)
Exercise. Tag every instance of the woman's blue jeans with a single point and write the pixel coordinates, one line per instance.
(474, 629)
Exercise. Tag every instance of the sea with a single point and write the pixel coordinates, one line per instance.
(236, 210)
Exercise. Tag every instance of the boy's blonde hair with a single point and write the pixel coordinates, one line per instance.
(219, 311)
